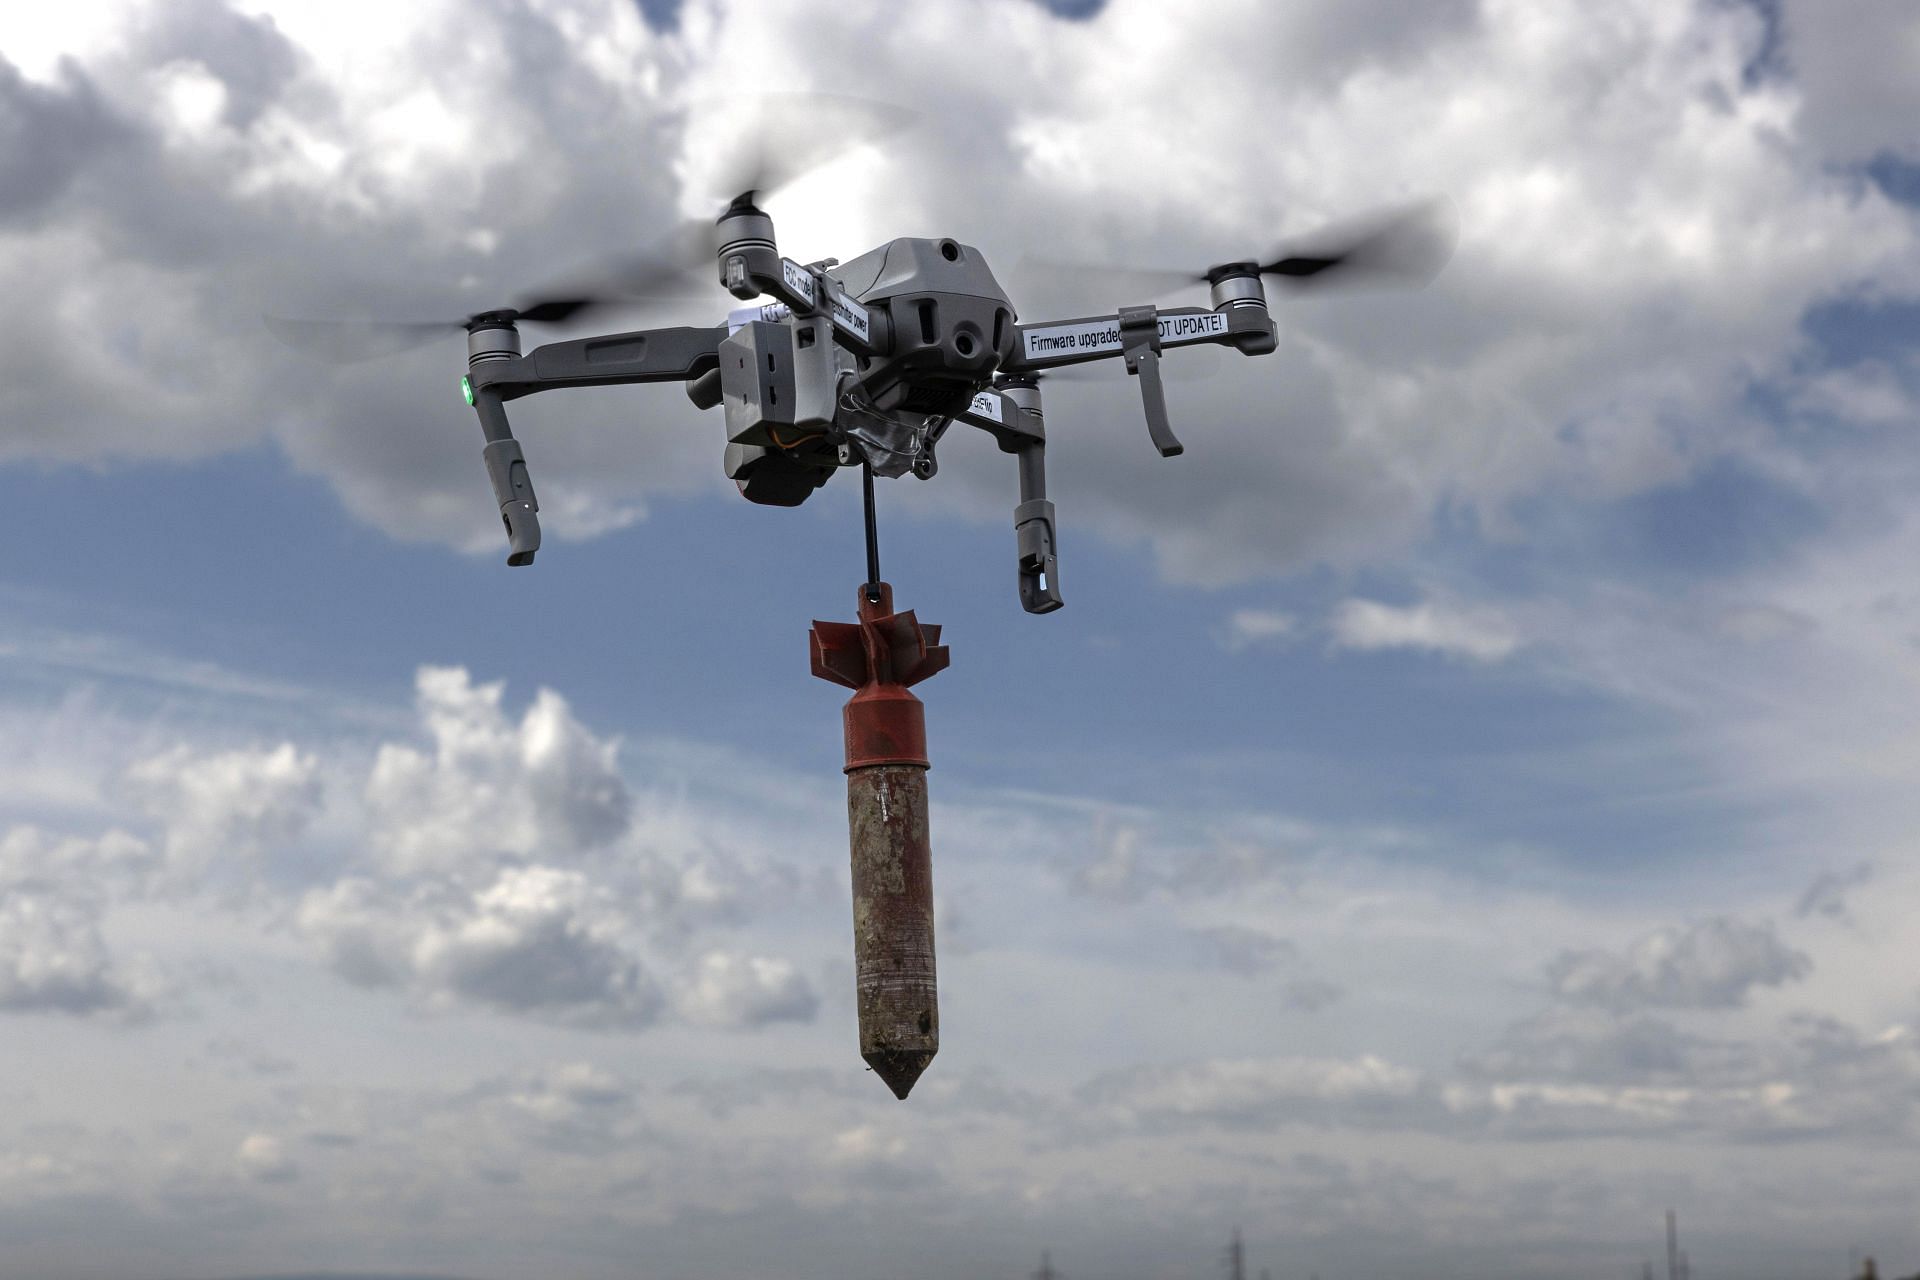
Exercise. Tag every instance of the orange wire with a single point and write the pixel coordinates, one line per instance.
(783, 444)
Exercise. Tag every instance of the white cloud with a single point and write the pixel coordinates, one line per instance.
(1114, 871)
(1710, 964)
(92, 867)
(1247, 628)
(539, 941)
(53, 958)
(1483, 635)
(1577, 1072)
(1827, 895)
(1246, 951)
(1260, 1091)
(732, 990)
(545, 787)
(1871, 393)
(54, 894)
(1855, 64)
(229, 807)
(363, 936)
(263, 1158)
(1554, 1078)
(507, 866)
(574, 1107)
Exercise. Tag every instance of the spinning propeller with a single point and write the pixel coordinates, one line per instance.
(1403, 245)
(782, 138)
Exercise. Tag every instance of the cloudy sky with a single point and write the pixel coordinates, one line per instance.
(1465, 808)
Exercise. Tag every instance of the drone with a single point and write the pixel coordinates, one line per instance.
(867, 363)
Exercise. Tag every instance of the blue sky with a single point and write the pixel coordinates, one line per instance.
(1464, 808)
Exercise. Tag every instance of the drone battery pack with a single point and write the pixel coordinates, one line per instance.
(777, 381)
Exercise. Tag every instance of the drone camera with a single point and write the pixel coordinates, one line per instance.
(779, 477)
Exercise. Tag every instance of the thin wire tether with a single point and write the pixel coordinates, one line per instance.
(873, 533)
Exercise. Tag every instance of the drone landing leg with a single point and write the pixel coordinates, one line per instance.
(886, 740)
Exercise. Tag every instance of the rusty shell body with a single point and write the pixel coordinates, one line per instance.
(894, 981)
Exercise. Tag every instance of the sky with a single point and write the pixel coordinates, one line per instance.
(1464, 809)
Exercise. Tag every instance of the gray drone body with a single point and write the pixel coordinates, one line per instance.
(798, 405)
(867, 363)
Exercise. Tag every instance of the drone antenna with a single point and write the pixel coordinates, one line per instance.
(873, 533)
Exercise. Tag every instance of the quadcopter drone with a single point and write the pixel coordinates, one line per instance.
(867, 363)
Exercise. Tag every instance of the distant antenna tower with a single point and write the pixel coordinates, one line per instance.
(1236, 1258)
(1046, 1271)
(1673, 1246)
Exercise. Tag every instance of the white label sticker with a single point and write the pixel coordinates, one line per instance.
(773, 312)
(798, 279)
(986, 405)
(1104, 335)
(852, 317)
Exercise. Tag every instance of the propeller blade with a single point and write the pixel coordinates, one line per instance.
(554, 310)
(1408, 244)
(679, 264)
(785, 136)
(1299, 267)
(1114, 281)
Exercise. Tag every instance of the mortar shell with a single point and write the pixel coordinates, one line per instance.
(894, 980)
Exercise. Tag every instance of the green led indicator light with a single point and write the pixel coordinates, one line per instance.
(466, 388)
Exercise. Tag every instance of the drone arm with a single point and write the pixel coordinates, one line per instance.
(1138, 335)
(1056, 343)
(806, 291)
(498, 373)
(644, 355)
